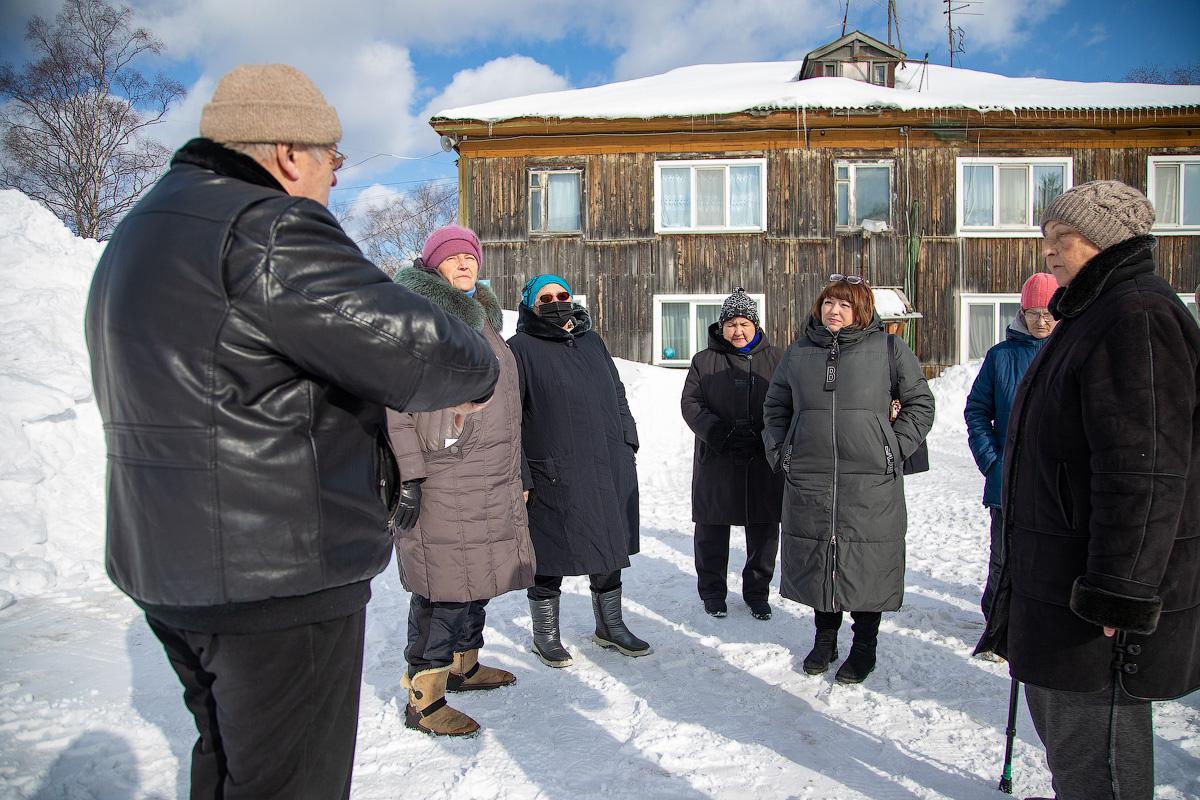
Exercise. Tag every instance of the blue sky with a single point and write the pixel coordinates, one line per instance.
(387, 64)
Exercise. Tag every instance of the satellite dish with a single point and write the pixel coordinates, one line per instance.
(447, 143)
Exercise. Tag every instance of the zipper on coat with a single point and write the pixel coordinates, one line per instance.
(750, 416)
(833, 554)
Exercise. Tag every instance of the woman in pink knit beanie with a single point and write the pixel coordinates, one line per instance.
(990, 401)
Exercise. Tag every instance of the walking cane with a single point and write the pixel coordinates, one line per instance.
(1010, 733)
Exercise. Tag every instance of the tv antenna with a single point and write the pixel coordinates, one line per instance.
(954, 36)
(845, 16)
(894, 22)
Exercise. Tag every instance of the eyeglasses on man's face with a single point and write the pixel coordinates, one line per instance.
(561, 297)
(337, 158)
(852, 279)
(1039, 316)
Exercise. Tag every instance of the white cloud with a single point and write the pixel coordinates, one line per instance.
(499, 78)
(654, 37)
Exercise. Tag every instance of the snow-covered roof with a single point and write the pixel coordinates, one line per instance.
(708, 89)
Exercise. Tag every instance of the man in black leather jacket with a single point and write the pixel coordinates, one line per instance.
(243, 351)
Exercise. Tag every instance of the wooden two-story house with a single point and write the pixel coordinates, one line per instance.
(656, 197)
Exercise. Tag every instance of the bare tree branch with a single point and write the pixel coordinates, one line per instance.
(393, 233)
(1186, 75)
(73, 124)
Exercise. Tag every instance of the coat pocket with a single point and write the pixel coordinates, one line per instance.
(457, 449)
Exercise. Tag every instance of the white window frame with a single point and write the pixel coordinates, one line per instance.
(1031, 231)
(693, 300)
(965, 301)
(545, 199)
(761, 163)
(1178, 229)
(1189, 301)
(864, 162)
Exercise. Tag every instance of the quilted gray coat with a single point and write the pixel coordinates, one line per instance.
(471, 540)
(844, 518)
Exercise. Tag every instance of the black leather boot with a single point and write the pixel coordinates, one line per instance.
(824, 651)
(546, 643)
(610, 627)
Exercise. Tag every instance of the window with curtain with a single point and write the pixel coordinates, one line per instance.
(681, 323)
(1006, 196)
(985, 320)
(863, 190)
(1174, 189)
(710, 196)
(554, 203)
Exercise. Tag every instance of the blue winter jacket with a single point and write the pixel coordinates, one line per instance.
(991, 399)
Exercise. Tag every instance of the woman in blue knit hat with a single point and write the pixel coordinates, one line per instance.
(579, 440)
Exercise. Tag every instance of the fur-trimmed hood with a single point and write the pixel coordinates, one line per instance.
(1107, 268)
(483, 307)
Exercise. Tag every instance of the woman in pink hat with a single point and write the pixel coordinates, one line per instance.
(991, 399)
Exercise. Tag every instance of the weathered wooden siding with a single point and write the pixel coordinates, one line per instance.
(620, 263)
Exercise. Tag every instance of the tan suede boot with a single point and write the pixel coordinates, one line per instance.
(467, 674)
(427, 710)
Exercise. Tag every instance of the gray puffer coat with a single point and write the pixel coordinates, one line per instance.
(844, 518)
(471, 540)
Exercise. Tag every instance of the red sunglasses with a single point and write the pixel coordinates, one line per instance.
(561, 297)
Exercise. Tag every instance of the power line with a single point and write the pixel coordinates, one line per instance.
(394, 183)
(414, 215)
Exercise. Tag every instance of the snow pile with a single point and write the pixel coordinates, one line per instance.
(732, 88)
(52, 462)
(950, 390)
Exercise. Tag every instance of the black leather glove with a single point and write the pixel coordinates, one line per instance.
(408, 508)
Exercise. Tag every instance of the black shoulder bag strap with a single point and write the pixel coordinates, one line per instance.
(919, 460)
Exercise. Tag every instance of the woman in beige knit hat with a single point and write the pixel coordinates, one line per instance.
(1097, 608)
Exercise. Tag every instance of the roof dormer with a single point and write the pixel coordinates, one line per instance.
(856, 56)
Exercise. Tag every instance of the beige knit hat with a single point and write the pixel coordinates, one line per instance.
(269, 103)
(1105, 212)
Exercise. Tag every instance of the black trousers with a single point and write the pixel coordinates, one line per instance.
(865, 627)
(995, 560)
(546, 587)
(438, 630)
(712, 560)
(277, 712)
(1099, 745)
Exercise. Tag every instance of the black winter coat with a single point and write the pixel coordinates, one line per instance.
(580, 441)
(1102, 489)
(242, 352)
(726, 388)
(844, 518)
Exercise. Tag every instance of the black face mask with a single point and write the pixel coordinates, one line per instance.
(556, 313)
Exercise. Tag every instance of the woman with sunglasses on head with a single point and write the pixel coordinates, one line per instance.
(990, 401)
(579, 440)
(732, 483)
(461, 531)
(828, 427)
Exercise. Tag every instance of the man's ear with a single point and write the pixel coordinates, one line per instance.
(286, 156)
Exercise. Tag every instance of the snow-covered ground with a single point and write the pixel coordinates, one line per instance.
(90, 709)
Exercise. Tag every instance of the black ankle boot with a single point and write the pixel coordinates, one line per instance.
(823, 652)
(610, 626)
(546, 643)
(859, 664)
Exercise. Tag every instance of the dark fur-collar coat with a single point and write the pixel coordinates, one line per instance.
(1102, 490)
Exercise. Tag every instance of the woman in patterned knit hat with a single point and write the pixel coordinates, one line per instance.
(732, 483)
